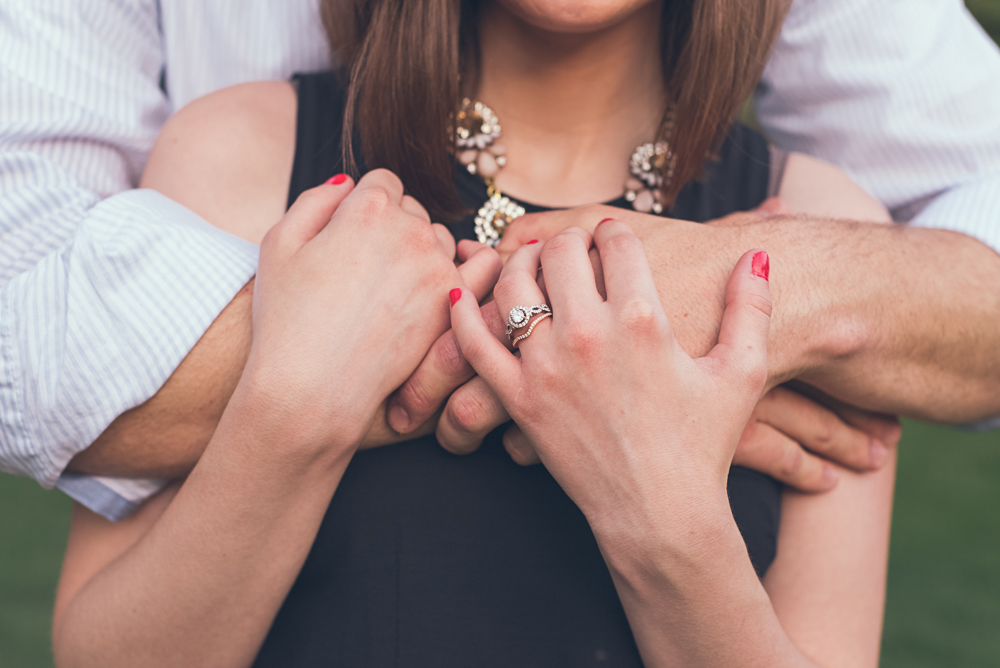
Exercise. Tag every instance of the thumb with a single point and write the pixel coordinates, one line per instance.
(742, 347)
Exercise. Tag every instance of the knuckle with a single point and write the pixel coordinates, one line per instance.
(505, 288)
(758, 302)
(375, 203)
(383, 177)
(468, 413)
(582, 341)
(415, 398)
(639, 316)
(791, 463)
(560, 245)
(449, 357)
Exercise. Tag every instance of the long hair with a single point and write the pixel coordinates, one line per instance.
(409, 62)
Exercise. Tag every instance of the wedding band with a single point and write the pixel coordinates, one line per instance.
(519, 316)
(528, 333)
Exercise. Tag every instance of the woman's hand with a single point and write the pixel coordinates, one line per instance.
(330, 357)
(634, 430)
(641, 436)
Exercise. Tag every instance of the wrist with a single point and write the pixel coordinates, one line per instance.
(682, 528)
(310, 428)
(676, 551)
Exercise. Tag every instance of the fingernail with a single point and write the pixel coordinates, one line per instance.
(830, 476)
(761, 265)
(533, 241)
(877, 453)
(605, 220)
(455, 295)
(336, 180)
(399, 419)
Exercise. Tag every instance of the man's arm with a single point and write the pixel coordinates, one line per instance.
(101, 294)
(893, 319)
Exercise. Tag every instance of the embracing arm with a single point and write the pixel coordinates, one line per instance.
(891, 318)
(252, 126)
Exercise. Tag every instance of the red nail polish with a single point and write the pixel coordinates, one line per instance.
(761, 265)
(605, 220)
(455, 295)
(533, 241)
(336, 180)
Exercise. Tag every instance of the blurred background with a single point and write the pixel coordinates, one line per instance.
(943, 604)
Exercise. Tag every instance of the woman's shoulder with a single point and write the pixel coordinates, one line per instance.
(228, 156)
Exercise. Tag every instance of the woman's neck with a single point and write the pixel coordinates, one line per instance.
(573, 107)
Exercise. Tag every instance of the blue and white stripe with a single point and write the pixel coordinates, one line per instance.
(104, 289)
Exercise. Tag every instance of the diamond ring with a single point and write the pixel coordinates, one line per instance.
(519, 316)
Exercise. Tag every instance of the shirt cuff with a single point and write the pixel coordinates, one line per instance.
(114, 498)
(972, 208)
(97, 326)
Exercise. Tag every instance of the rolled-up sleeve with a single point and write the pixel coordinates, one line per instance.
(103, 289)
(903, 95)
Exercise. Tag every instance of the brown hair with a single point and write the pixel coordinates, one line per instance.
(410, 61)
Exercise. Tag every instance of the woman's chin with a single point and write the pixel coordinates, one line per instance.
(572, 16)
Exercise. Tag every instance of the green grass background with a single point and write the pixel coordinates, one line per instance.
(943, 604)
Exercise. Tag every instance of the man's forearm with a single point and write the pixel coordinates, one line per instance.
(889, 318)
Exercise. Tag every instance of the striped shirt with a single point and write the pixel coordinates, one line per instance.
(104, 288)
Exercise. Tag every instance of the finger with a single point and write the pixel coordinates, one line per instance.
(765, 449)
(569, 275)
(627, 274)
(742, 347)
(885, 428)
(415, 208)
(481, 271)
(311, 212)
(773, 206)
(518, 286)
(442, 370)
(467, 248)
(385, 181)
(519, 447)
(491, 360)
(471, 413)
(595, 262)
(446, 241)
(820, 430)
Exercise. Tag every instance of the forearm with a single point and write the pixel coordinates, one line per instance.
(889, 318)
(165, 436)
(210, 574)
(691, 595)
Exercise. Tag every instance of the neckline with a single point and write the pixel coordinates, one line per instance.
(530, 207)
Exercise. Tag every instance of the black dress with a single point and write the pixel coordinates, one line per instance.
(429, 559)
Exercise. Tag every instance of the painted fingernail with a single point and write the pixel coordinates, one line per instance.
(336, 180)
(455, 295)
(605, 220)
(533, 241)
(830, 476)
(761, 265)
(877, 453)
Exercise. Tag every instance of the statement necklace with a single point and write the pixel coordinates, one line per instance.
(478, 147)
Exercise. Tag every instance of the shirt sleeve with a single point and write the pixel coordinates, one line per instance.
(903, 95)
(103, 289)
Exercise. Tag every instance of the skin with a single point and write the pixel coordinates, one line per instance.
(233, 536)
(210, 562)
(636, 453)
(566, 145)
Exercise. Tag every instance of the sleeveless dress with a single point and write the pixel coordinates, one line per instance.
(430, 559)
